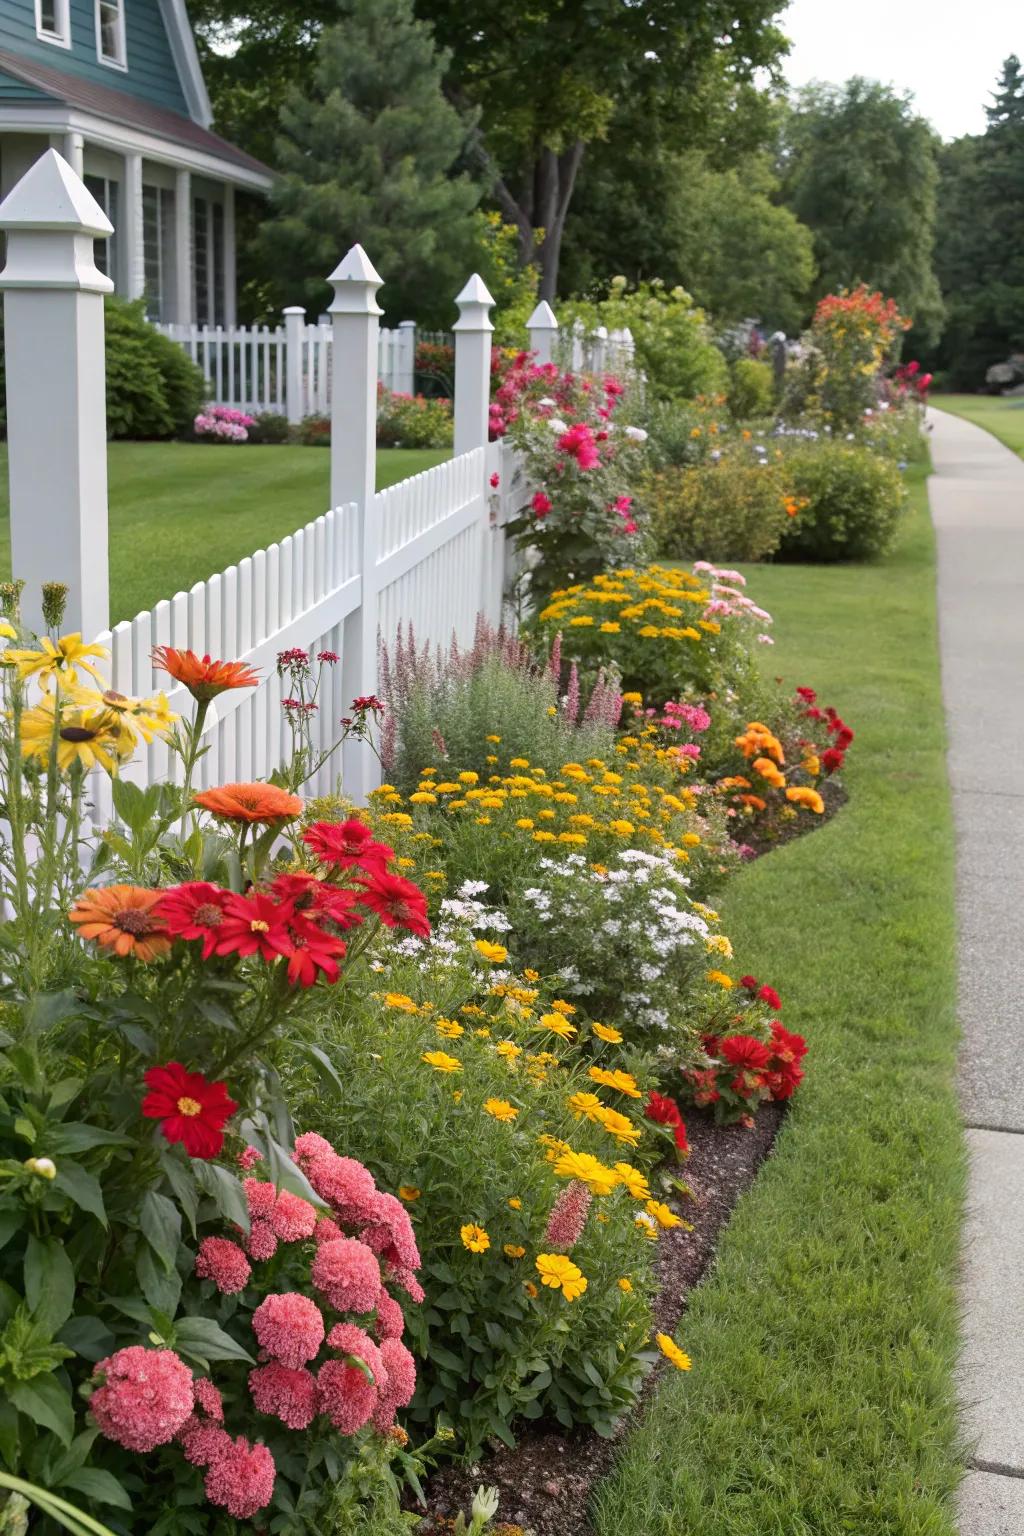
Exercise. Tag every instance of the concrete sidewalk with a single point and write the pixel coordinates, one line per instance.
(977, 501)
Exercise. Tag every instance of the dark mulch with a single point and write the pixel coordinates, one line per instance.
(764, 840)
(546, 1482)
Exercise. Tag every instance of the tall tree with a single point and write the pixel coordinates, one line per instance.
(547, 77)
(367, 149)
(980, 258)
(859, 168)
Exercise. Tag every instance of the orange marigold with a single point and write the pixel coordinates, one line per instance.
(203, 677)
(250, 802)
(121, 918)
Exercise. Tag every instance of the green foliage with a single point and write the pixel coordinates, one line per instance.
(269, 427)
(861, 173)
(854, 501)
(512, 286)
(367, 149)
(153, 387)
(674, 345)
(412, 421)
(751, 388)
(734, 509)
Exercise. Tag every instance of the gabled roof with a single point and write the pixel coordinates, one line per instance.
(183, 47)
(119, 107)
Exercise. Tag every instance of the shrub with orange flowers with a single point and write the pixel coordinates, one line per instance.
(839, 376)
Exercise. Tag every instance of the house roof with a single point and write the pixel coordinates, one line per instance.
(120, 107)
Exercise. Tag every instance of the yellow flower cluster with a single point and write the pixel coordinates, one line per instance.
(656, 603)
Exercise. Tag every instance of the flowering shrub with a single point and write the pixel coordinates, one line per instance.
(852, 499)
(412, 421)
(838, 376)
(779, 770)
(223, 424)
(733, 507)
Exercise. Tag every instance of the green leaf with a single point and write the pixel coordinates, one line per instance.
(180, 1178)
(76, 1455)
(201, 1339)
(47, 1403)
(225, 1191)
(327, 1064)
(82, 1187)
(46, 1009)
(63, 1092)
(10, 1222)
(88, 1337)
(160, 1221)
(95, 1483)
(286, 1175)
(49, 1283)
(78, 1137)
(24, 1129)
(161, 1289)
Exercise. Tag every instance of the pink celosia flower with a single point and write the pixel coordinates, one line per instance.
(390, 1318)
(568, 1218)
(341, 1181)
(261, 1242)
(347, 1273)
(406, 1281)
(310, 1144)
(400, 1385)
(249, 1158)
(287, 1392)
(208, 1398)
(223, 1262)
(349, 1339)
(326, 1230)
(202, 1441)
(689, 749)
(143, 1398)
(241, 1478)
(260, 1197)
(346, 1396)
(292, 1219)
(289, 1327)
(390, 1233)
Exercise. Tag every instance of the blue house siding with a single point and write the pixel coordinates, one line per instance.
(151, 73)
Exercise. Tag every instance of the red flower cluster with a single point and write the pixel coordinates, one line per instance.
(665, 1111)
(835, 726)
(909, 380)
(758, 1059)
(579, 444)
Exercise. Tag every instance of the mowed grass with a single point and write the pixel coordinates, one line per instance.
(821, 1401)
(1004, 418)
(179, 512)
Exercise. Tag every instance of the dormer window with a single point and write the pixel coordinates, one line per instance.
(110, 43)
(53, 22)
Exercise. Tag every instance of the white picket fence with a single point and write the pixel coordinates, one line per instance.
(439, 563)
(247, 367)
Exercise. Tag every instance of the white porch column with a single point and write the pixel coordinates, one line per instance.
(405, 379)
(355, 318)
(542, 328)
(74, 152)
(132, 263)
(56, 391)
(230, 258)
(472, 365)
(183, 311)
(294, 375)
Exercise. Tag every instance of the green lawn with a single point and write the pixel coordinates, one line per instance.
(181, 511)
(820, 1401)
(1004, 418)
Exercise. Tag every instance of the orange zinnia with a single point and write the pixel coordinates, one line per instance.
(121, 918)
(250, 802)
(203, 677)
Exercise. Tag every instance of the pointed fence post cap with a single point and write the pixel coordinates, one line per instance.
(355, 281)
(601, 333)
(51, 196)
(475, 304)
(543, 318)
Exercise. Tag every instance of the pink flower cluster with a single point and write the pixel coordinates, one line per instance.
(568, 1218)
(224, 423)
(727, 601)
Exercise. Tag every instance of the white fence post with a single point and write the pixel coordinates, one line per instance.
(294, 389)
(473, 331)
(599, 349)
(405, 372)
(56, 391)
(355, 318)
(542, 328)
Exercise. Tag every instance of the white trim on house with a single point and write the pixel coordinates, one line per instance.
(56, 118)
(183, 48)
(118, 59)
(62, 14)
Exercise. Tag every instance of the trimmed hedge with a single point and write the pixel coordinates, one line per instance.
(854, 499)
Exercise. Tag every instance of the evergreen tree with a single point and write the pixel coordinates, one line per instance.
(367, 151)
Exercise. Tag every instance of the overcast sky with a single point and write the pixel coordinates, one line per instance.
(947, 52)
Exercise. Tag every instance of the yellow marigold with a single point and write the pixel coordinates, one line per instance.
(621, 828)
(408, 1193)
(397, 818)
(544, 837)
(621, 1127)
(474, 1238)
(599, 1179)
(632, 698)
(501, 1109)
(515, 1203)
(525, 824)
(801, 795)
(494, 739)
(625, 1284)
(560, 1273)
(587, 1104)
(528, 1285)
(581, 621)
(508, 1049)
(519, 762)
(663, 1215)
(399, 1001)
(607, 1033)
(422, 797)
(721, 980)
(623, 1082)
(448, 1028)
(469, 777)
(670, 1349)
(579, 839)
(513, 1250)
(557, 1025)
(718, 944)
(441, 1061)
(633, 1181)
(494, 953)
(428, 773)
(811, 764)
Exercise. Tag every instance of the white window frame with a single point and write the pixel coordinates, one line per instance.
(121, 62)
(62, 13)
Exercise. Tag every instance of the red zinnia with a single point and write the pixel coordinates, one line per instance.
(787, 1047)
(346, 843)
(769, 995)
(745, 1052)
(255, 924)
(308, 891)
(313, 952)
(665, 1111)
(832, 759)
(191, 1109)
(808, 695)
(193, 910)
(750, 982)
(397, 902)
